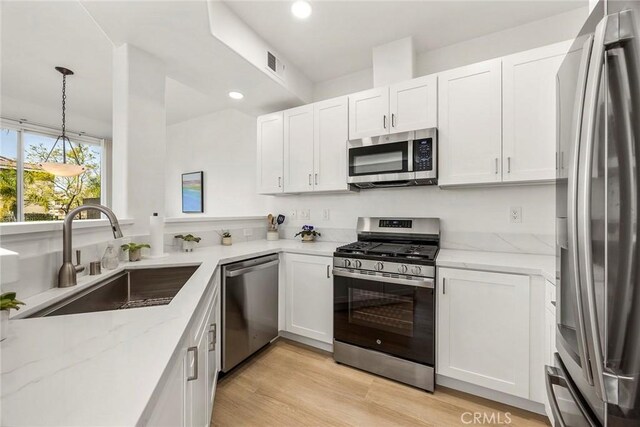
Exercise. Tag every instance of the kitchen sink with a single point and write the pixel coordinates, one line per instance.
(134, 288)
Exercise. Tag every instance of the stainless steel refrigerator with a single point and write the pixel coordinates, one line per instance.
(596, 372)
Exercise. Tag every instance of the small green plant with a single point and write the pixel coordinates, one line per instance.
(224, 233)
(308, 230)
(8, 301)
(134, 246)
(188, 238)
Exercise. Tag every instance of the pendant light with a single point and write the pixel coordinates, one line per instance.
(64, 168)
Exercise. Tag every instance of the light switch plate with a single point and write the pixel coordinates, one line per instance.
(326, 214)
(305, 214)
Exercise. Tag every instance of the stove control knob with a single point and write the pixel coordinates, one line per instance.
(378, 266)
(357, 263)
(347, 263)
(416, 270)
(402, 269)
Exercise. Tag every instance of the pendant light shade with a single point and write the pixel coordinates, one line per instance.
(66, 169)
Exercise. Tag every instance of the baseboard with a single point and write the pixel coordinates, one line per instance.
(307, 341)
(494, 395)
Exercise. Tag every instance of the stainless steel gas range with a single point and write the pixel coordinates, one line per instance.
(384, 299)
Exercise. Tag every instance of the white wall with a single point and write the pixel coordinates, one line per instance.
(471, 218)
(223, 145)
(535, 34)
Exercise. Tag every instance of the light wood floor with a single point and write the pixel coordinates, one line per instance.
(289, 384)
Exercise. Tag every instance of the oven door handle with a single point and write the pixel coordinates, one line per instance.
(422, 282)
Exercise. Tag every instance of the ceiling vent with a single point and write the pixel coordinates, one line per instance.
(275, 65)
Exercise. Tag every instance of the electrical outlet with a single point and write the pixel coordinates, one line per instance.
(293, 214)
(305, 214)
(326, 214)
(515, 214)
(248, 232)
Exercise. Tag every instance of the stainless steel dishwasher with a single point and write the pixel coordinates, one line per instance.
(249, 308)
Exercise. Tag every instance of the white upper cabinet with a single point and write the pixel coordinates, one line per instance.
(369, 113)
(529, 115)
(270, 153)
(331, 132)
(298, 149)
(470, 124)
(487, 314)
(414, 104)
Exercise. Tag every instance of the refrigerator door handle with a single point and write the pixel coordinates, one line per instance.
(553, 377)
(572, 212)
(607, 34)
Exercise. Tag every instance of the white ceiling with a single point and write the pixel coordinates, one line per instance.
(338, 37)
(36, 37)
(39, 35)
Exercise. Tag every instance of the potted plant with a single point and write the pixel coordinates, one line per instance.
(135, 250)
(226, 237)
(188, 241)
(308, 233)
(8, 301)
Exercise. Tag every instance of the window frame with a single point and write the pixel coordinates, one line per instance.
(21, 127)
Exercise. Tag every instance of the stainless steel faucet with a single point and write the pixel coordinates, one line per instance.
(68, 271)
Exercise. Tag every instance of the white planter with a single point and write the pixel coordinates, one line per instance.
(188, 246)
(226, 241)
(4, 324)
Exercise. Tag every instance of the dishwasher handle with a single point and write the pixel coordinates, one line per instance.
(245, 270)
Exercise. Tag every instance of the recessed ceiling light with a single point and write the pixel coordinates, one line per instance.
(301, 9)
(235, 95)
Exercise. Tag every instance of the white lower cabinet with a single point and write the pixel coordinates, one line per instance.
(483, 334)
(309, 296)
(186, 399)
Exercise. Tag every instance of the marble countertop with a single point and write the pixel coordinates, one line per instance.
(102, 368)
(502, 262)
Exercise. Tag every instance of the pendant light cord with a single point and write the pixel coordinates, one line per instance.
(64, 137)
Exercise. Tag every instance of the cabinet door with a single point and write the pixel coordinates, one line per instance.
(414, 104)
(270, 151)
(169, 410)
(529, 113)
(309, 296)
(213, 323)
(470, 124)
(485, 314)
(369, 113)
(298, 149)
(331, 132)
(197, 397)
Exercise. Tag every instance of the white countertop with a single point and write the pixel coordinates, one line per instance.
(102, 368)
(502, 262)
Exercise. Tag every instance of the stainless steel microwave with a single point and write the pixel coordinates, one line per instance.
(399, 160)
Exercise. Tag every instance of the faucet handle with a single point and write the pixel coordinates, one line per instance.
(79, 267)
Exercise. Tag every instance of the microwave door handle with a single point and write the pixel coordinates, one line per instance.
(572, 195)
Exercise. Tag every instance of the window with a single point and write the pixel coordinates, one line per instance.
(28, 193)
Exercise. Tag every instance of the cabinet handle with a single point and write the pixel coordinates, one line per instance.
(393, 120)
(212, 337)
(310, 179)
(444, 286)
(316, 179)
(328, 276)
(384, 121)
(279, 182)
(496, 166)
(195, 363)
(508, 164)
